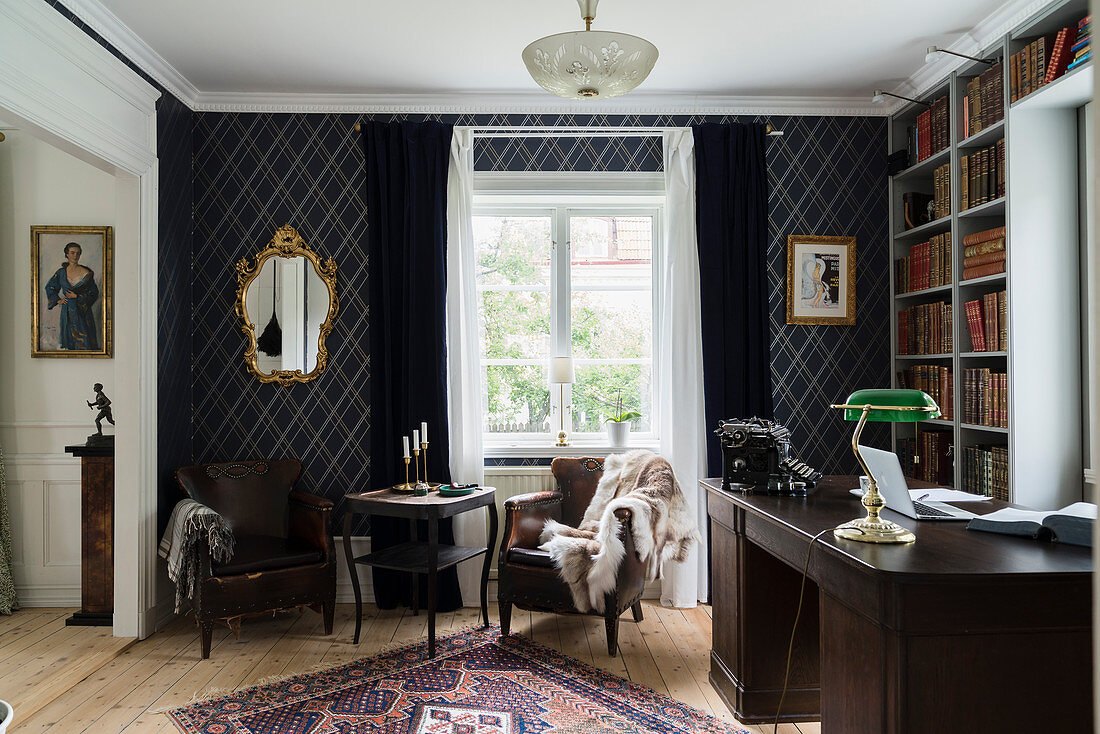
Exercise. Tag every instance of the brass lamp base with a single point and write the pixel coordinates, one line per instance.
(867, 530)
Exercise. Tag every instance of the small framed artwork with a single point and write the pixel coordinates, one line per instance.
(821, 280)
(71, 291)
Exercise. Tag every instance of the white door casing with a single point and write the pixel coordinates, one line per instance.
(59, 84)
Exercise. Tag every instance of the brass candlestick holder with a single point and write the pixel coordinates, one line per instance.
(421, 487)
(424, 449)
(406, 487)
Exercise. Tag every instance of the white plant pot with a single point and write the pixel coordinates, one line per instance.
(7, 715)
(618, 433)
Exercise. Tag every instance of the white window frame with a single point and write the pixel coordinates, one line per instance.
(560, 196)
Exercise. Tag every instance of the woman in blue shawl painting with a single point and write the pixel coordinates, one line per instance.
(73, 288)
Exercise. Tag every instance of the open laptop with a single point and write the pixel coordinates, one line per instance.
(886, 468)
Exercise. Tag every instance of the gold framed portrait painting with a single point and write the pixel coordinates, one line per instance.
(71, 291)
(821, 280)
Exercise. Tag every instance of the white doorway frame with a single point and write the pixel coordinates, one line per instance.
(62, 86)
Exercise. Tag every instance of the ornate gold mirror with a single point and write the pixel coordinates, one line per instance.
(291, 294)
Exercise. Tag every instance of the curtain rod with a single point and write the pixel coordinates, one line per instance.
(539, 131)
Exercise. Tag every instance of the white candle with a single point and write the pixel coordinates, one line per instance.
(405, 445)
(424, 431)
(416, 439)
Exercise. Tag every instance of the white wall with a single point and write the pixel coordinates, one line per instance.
(43, 401)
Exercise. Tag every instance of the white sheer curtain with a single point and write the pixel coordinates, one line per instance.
(467, 463)
(679, 392)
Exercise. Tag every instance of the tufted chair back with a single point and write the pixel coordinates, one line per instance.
(577, 479)
(252, 495)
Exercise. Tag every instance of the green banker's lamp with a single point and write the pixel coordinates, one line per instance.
(881, 406)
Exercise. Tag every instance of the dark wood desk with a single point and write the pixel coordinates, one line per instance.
(961, 631)
(416, 556)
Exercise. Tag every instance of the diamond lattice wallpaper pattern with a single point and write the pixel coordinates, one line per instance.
(254, 172)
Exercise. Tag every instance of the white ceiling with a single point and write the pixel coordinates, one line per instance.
(806, 48)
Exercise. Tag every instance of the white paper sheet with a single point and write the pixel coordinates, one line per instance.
(938, 494)
(1012, 514)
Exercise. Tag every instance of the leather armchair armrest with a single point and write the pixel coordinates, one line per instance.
(309, 521)
(524, 517)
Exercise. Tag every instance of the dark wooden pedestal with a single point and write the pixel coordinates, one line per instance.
(97, 517)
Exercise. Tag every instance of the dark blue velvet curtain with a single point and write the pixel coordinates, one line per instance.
(407, 293)
(731, 193)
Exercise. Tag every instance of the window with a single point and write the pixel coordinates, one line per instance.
(565, 279)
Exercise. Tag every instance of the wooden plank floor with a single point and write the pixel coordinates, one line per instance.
(669, 652)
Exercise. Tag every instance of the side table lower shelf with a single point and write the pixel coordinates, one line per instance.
(412, 556)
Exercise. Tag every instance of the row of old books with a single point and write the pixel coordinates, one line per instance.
(925, 329)
(982, 175)
(941, 191)
(934, 379)
(932, 133)
(985, 397)
(927, 265)
(984, 103)
(928, 457)
(1082, 49)
(984, 253)
(1046, 58)
(985, 471)
(987, 322)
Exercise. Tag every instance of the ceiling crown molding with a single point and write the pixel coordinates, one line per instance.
(503, 103)
(987, 33)
(129, 44)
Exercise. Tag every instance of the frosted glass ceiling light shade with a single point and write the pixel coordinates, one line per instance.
(589, 64)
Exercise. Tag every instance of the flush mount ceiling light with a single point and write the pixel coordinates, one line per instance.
(589, 64)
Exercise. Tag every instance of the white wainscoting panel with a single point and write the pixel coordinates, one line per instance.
(44, 502)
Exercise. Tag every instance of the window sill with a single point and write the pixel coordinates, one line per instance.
(577, 448)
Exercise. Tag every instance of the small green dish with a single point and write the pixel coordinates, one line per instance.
(448, 491)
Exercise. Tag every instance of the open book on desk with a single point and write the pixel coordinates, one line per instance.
(1071, 524)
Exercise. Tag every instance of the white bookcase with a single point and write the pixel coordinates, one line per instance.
(1042, 271)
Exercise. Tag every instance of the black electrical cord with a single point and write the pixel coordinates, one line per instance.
(794, 627)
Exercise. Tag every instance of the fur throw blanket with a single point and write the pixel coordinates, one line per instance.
(664, 529)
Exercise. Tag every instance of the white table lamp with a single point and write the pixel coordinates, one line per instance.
(561, 374)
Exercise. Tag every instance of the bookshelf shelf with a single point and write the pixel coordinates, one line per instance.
(924, 356)
(939, 422)
(1073, 89)
(924, 292)
(989, 209)
(925, 167)
(991, 134)
(1040, 213)
(928, 228)
(987, 429)
(985, 279)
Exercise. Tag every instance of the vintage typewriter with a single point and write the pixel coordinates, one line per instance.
(756, 457)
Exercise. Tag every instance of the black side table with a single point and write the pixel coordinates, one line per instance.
(417, 556)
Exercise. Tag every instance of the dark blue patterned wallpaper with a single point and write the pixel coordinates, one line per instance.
(250, 173)
(254, 172)
(174, 433)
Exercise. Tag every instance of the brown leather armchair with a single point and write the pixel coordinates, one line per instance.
(526, 575)
(284, 555)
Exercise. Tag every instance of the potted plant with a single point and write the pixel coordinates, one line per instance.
(618, 425)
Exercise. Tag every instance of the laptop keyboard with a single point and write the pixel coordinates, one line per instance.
(925, 511)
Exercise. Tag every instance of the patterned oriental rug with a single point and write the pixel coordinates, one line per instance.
(478, 683)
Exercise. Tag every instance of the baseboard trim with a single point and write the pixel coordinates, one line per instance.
(48, 595)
